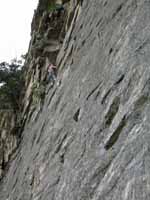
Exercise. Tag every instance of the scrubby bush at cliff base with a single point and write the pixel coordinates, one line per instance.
(11, 81)
(38, 93)
(11, 91)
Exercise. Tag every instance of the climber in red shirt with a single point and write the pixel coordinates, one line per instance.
(52, 74)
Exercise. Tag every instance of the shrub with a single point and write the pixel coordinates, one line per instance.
(51, 7)
(38, 93)
(11, 85)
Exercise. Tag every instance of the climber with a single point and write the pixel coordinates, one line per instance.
(52, 74)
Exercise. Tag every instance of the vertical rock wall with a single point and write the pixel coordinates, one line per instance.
(48, 30)
(8, 138)
(90, 140)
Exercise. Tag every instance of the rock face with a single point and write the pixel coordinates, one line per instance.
(90, 140)
(8, 138)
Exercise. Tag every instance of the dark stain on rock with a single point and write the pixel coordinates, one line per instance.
(105, 3)
(113, 139)
(93, 91)
(98, 93)
(110, 51)
(83, 42)
(99, 21)
(105, 97)
(62, 158)
(120, 79)
(112, 111)
(117, 10)
(76, 115)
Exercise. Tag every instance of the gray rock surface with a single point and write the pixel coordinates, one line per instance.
(91, 141)
(9, 139)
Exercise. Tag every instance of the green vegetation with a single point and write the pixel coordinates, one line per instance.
(38, 93)
(11, 85)
(51, 7)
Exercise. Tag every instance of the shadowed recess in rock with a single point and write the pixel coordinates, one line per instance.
(112, 111)
(76, 115)
(113, 139)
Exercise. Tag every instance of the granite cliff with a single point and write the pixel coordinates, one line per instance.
(89, 138)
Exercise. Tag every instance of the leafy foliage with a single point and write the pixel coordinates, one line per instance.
(51, 7)
(54, 6)
(11, 84)
(38, 92)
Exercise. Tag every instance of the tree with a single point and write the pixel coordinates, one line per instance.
(11, 85)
